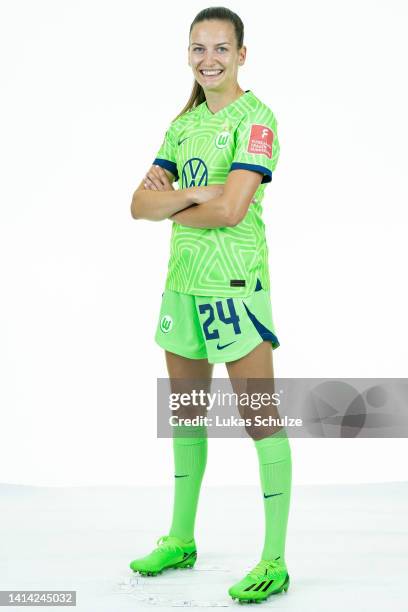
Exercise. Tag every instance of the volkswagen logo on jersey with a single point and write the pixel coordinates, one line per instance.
(194, 173)
(166, 324)
(222, 140)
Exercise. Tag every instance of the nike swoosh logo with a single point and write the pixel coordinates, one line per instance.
(181, 475)
(182, 140)
(273, 495)
(224, 345)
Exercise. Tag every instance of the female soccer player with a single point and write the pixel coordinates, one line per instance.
(222, 149)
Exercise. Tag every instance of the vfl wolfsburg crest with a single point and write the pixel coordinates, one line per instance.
(222, 139)
(194, 173)
(166, 324)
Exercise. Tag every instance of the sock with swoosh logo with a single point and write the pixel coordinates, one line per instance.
(190, 459)
(275, 468)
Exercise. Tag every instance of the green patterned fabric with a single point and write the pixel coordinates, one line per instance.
(200, 148)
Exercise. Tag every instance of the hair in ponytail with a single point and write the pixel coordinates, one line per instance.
(197, 95)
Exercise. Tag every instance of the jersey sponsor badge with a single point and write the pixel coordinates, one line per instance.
(194, 173)
(260, 140)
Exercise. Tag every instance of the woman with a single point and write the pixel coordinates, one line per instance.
(222, 149)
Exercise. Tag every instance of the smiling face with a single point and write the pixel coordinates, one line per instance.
(213, 55)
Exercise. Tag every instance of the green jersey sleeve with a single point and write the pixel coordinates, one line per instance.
(166, 156)
(256, 144)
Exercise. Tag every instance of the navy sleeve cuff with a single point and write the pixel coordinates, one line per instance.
(267, 174)
(168, 165)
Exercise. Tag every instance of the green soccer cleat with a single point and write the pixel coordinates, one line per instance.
(171, 552)
(267, 578)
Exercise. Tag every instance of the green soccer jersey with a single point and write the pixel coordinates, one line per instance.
(201, 148)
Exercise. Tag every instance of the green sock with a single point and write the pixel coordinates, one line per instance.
(190, 459)
(275, 468)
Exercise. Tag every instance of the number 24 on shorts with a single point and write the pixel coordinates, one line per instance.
(232, 319)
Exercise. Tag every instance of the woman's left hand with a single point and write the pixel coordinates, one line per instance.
(157, 180)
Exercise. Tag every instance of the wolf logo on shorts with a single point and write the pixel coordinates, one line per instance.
(166, 323)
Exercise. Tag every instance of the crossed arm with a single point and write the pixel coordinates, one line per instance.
(206, 207)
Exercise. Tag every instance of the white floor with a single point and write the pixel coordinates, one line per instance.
(347, 546)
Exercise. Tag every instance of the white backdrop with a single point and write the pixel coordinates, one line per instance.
(87, 90)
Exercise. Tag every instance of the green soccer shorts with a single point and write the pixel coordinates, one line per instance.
(215, 328)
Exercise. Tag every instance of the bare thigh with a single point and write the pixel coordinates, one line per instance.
(187, 375)
(181, 367)
(253, 375)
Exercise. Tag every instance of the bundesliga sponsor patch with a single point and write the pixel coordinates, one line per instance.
(260, 140)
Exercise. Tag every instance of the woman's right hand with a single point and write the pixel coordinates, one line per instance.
(199, 195)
